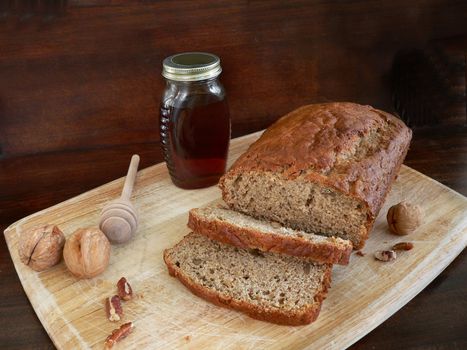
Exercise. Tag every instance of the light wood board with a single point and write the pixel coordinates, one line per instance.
(166, 315)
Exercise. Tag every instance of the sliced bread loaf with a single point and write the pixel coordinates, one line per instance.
(323, 168)
(267, 286)
(244, 231)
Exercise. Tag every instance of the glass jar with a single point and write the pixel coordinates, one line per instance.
(194, 120)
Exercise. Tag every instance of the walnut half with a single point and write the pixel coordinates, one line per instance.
(385, 255)
(41, 247)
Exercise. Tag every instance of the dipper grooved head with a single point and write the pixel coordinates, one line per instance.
(119, 220)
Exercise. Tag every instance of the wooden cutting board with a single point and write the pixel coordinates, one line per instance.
(166, 315)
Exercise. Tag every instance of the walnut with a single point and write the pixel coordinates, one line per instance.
(41, 247)
(113, 308)
(402, 246)
(87, 252)
(125, 292)
(118, 334)
(385, 255)
(404, 218)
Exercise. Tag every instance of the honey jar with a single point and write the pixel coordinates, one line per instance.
(194, 120)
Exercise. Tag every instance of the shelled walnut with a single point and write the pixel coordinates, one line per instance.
(125, 292)
(113, 308)
(404, 218)
(118, 334)
(385, 255)
(41, 247)
(402, 246)
(87, 252)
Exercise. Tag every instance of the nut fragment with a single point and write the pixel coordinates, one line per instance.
(125, 292)
(404, 218)
(113, 308)
(402, 246)
(118, 334)
(275, 224)
(87, 252)
(41, 247)
(385, 255)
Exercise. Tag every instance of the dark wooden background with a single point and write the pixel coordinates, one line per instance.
(80, 86)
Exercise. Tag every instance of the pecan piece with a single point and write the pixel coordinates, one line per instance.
(402, 246)
(118, 334)
(124, 289)
(385, 255)
(113, 308)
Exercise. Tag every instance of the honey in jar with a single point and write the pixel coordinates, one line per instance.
(194, 120)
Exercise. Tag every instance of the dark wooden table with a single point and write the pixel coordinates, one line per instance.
(435, 319)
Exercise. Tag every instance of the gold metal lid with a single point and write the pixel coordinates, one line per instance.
(191, 66)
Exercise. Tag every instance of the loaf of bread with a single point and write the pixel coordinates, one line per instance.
(244, 231)
(266, 286)
(323, 168)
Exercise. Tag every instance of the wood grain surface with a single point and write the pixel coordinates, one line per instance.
(80, 86)
(363, 294)
(85, 74)
(433, 319)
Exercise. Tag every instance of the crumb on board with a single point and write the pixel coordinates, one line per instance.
(360, 253)
(187, 337)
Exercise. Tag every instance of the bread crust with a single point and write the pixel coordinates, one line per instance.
(242, 237)
(392, 176)
(322, 143)
(302, 316)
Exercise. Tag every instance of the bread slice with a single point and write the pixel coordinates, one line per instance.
(243, 231)
(267, 286)
(323, 168)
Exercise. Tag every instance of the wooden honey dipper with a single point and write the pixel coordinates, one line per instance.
(119, 220)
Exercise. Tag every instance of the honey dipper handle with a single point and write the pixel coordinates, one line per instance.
(130, 177)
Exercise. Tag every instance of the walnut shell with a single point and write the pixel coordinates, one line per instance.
(87, 252)
(404, 218)
(41, 247)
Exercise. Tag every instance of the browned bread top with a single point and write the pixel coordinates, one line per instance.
(347, 146)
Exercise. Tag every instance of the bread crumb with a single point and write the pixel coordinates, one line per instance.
(187, 337)
(360, 253)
